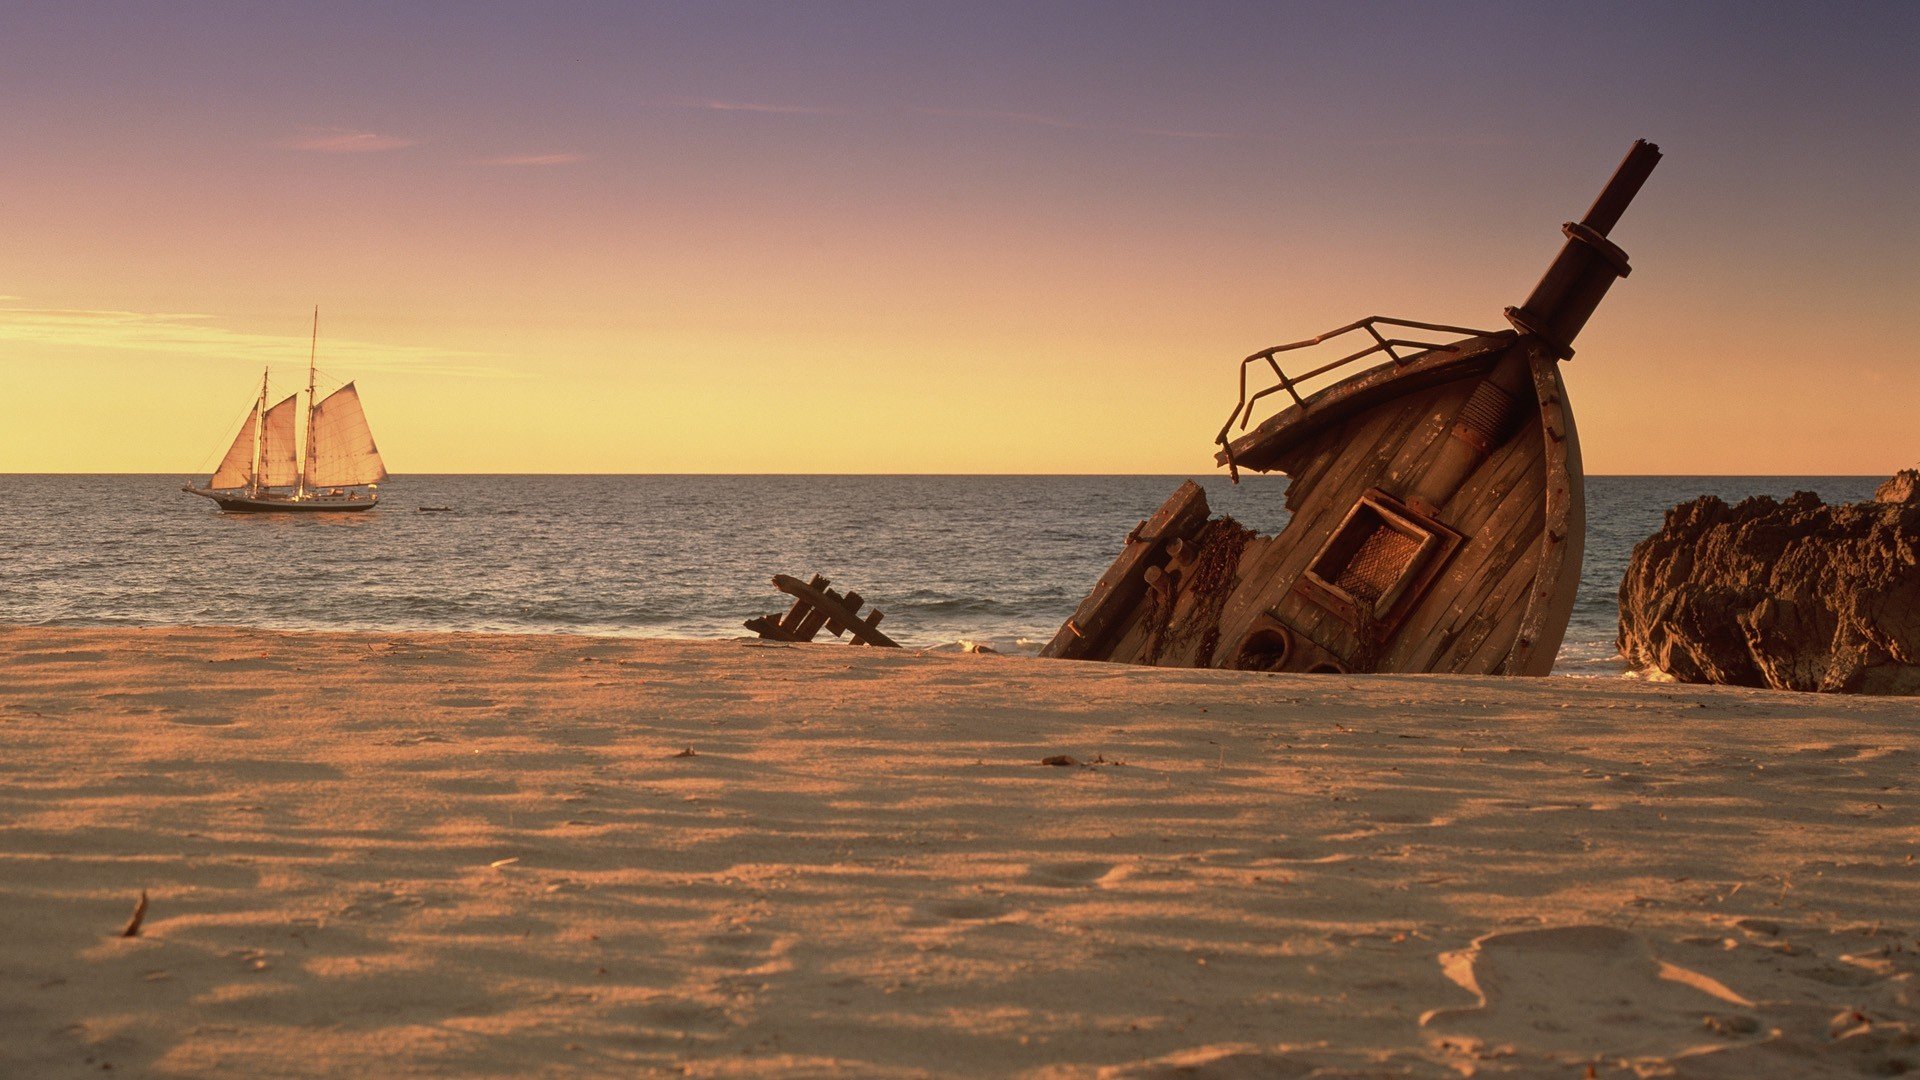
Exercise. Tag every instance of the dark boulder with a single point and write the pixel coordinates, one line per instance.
(1792, 594)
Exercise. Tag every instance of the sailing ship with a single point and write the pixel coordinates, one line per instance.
(1436, 511)
(267, 470)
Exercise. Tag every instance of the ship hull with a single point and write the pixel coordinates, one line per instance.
(245, 504)
(1479, 582)
(1436, 516)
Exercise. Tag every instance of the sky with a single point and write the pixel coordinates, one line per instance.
(934, 237)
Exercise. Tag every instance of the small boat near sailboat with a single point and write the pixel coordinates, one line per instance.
(268, 470)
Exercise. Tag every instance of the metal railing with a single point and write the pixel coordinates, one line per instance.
(1243, 409)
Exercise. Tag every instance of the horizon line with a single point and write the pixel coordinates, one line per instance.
(1277, 475)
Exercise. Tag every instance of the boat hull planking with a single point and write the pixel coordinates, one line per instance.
(1481, 584)
(246, 504)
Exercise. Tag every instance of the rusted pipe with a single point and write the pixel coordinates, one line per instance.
(1567, 295)
(1587, 265)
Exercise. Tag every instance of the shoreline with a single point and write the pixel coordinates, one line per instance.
(487, 855)
(1022, 647)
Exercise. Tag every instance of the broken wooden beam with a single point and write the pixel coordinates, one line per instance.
(817, 607)
(1120, 589)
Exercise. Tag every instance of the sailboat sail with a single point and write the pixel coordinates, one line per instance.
(236, 469)
(267, 459)
(343, 452)
(279, 461)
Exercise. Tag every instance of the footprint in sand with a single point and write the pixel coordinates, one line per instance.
(973, 909)
(746, 948)
(1407, 817)
(1074, 875)
(247, 663)
(475, 785)
(69, 656)
(201, 721)
(1216, 1063)
(1304, 853)
(1839, 975)
(669, 1022)
(380, 903)
(1577, 992)
(1549, 806)
(466, 703)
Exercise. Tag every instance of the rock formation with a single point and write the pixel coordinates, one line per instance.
(1902, 487)
(1793, 594)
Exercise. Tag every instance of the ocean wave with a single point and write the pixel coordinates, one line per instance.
(955, 605)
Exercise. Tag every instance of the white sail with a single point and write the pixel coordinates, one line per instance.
(236, 469)
(343, 449)
(279, 458)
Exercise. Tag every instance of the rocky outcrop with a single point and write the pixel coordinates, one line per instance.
(1793, 594)
(1902, 487)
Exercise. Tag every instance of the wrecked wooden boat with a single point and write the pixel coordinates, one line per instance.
(1437, 518)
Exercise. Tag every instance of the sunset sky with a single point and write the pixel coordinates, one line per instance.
(901, 237)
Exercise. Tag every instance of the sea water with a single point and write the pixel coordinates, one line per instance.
(1000, 560)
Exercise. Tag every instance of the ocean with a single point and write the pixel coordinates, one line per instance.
(1000, 560)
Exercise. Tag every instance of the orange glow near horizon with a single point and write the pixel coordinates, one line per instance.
(559, 257)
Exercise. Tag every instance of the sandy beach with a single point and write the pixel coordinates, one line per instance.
(470, 855)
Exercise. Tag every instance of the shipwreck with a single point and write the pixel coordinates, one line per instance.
(1435, 498)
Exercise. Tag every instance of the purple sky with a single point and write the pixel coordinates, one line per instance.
(1094, 209)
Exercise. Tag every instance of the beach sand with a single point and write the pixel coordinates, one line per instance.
(470, 855)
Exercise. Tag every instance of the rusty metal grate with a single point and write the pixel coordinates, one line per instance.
(1376, 562)
(1381, 561)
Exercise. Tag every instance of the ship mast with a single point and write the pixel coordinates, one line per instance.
(306, 466)
(259, 435)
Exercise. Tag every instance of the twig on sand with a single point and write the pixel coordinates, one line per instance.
(139, 916)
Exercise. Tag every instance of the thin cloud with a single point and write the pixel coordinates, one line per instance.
(1447, 140)
(342, 140)
(1063, 124)
(760, 107)
(200, 336)
(1028, 119)
(534, 160)
(1177, 133)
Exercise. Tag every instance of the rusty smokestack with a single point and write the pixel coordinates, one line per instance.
(1559, 306)
(1573, 286)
